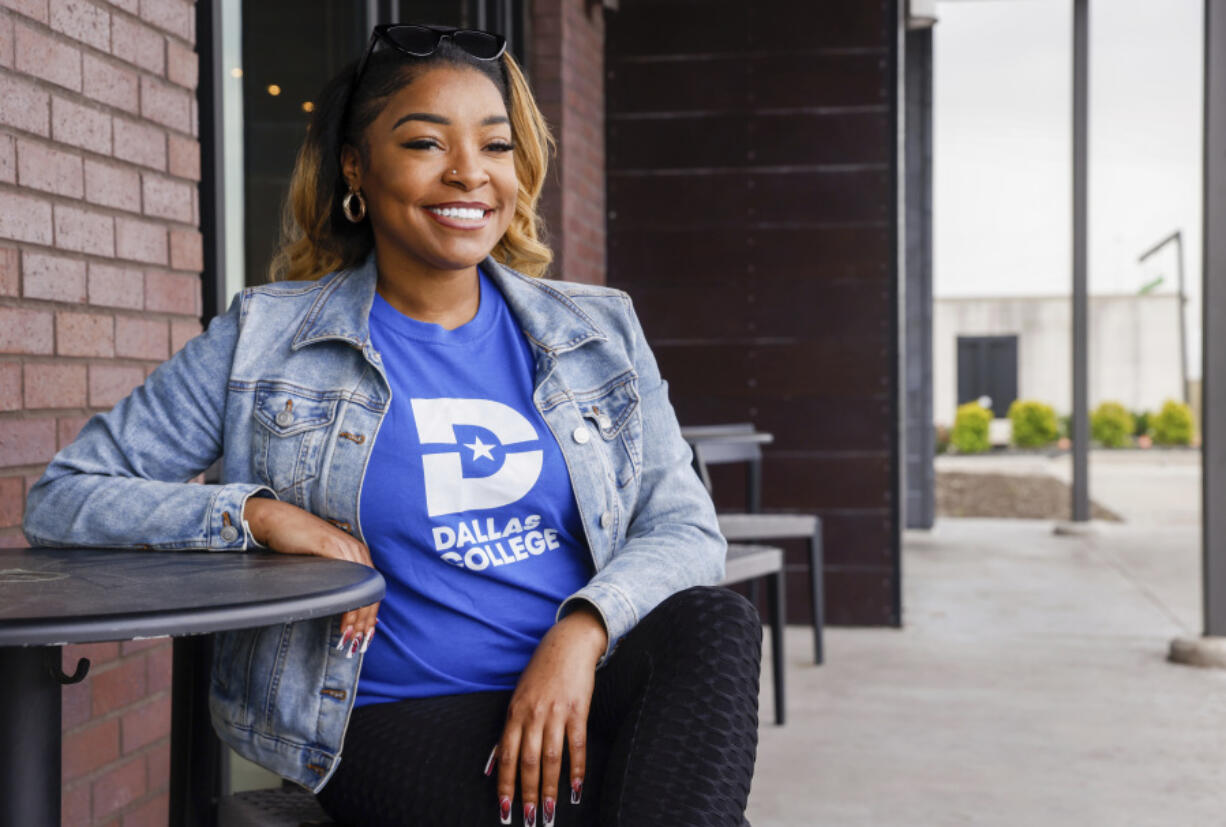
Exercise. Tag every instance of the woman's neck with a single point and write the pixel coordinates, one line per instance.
(448, 298)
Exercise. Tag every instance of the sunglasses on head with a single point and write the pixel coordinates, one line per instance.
(420, 40)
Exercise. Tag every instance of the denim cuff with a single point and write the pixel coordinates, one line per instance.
(227, 529)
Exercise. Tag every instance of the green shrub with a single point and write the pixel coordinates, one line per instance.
(1172, 425)
(1034, 424)
(1066, 426)
(1141, 418)
(1112, 425)
(970, 434)
(942, 439)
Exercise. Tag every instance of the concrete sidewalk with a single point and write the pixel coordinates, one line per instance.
(1028, 687)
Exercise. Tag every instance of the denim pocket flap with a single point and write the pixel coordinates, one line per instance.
(610, 407)
(288, 410)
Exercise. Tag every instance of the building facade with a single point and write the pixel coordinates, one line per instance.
(1020, 347)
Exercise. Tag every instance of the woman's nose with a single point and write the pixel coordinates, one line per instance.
(465, 168)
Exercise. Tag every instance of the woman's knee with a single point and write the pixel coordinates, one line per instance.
(711, 613)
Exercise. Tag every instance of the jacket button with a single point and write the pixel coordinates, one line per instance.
(582, 435)
(229, 534)
(284, 419)
(604, 422)
(606, 519)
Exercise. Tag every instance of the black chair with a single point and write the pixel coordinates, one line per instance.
(741, 443)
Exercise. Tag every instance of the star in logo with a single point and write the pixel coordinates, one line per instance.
(480, 449)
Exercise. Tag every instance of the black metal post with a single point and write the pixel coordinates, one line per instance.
(212, 158)
(920, 474)
(196, 782)
(1213, 396)
(30, 724)
(1081, 401)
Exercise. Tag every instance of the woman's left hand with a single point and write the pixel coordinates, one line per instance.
(550, 704)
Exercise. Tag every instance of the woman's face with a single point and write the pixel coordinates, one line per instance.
(440, 186)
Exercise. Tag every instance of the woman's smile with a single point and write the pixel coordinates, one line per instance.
(461, 215)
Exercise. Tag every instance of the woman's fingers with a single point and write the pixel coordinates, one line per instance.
(576, 737)
(551, 767)
(508, 763)
(530, 770)
(357, 629)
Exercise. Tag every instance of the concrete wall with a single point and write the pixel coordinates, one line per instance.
(1134, 348)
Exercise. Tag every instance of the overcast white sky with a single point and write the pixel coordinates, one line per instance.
(1003, 132)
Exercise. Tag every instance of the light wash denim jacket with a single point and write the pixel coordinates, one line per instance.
(286, 388)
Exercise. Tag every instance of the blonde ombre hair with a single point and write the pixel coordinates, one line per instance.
(317, 239)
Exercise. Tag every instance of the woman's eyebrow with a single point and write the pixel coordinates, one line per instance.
(430, 117)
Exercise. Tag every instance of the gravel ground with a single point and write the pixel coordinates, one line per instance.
(1028, 497)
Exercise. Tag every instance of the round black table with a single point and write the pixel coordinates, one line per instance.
(49, 597)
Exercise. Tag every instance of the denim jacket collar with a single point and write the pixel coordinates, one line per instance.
(342, 309)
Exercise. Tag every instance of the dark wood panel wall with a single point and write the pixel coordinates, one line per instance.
(751, 154)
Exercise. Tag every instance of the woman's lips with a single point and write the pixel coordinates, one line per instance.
(459, 223)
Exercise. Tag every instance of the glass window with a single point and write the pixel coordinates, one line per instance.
(290, 50)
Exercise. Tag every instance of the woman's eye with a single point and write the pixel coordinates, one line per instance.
(420, 144)
(501, 146)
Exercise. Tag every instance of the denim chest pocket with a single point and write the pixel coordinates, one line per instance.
(290, 440)
(612, 412)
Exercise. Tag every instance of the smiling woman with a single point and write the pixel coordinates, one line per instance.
(409, 394)
(317, 238)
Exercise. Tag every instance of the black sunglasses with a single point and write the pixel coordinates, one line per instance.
(420, 40)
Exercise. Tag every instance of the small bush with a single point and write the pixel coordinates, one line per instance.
(1141, 418)
(970, 434)
(1034, 424)
(942, 439)
(1066, 426)
(1172, 425)
(1112, 425)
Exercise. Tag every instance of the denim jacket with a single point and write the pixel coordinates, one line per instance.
(287, 390)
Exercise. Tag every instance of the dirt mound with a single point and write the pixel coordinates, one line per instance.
(1030, 497)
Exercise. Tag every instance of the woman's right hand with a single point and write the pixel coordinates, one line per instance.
(289, 529)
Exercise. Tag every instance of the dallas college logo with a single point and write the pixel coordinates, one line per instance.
(447, 489)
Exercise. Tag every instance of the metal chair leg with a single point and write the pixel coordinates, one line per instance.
(775, 591)
(817, 592)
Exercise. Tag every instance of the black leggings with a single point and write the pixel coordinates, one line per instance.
(672, 735)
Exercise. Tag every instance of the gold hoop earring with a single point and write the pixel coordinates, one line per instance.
(347, 206)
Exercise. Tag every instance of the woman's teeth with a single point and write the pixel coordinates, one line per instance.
(466, 213)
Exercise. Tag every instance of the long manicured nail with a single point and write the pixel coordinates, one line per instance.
(529, 815)
(576, 790)
(370, 633)
(344, 638)
(548, 809)
(353, 646)
(504, 809)
(489, 764)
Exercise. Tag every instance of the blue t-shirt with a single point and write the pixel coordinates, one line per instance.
(467, 508)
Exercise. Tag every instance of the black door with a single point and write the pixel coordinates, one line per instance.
(987, 366)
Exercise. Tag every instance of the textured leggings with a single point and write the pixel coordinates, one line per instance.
(672, 735)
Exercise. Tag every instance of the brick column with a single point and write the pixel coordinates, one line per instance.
(566, 67)
(100, 260)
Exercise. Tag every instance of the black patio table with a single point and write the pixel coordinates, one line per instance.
(50, 597)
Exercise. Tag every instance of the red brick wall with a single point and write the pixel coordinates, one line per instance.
(100, 260)
(566, 65)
